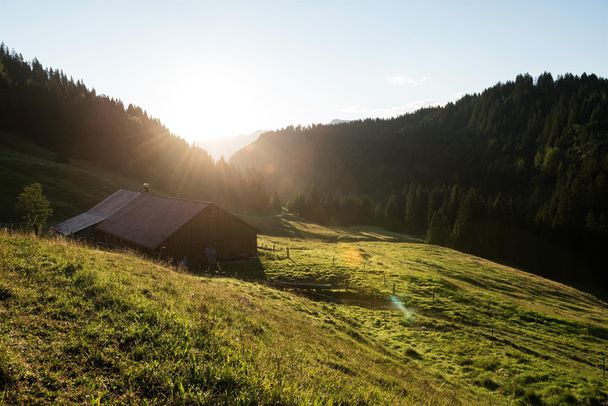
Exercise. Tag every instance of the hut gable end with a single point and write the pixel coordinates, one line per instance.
(212, 227)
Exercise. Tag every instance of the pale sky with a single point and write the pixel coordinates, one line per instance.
(211, 69)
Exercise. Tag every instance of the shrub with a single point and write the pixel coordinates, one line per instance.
(34, 206)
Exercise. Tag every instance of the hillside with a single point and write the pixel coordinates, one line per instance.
(83, 325)
(53, 111)
(516, 173)
(72, 187)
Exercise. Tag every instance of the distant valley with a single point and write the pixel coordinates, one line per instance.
(227, 146)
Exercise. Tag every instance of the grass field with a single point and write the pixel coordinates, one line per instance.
(83, 325)
(71, 187)
(491, 329)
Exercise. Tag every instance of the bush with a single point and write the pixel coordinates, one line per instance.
(35, 207)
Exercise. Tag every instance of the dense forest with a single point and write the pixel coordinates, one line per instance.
(60, 114)
(516, 173)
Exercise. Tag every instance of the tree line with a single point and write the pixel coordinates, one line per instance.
(63, 115)
(516, 173)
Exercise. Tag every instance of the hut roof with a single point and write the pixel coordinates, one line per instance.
(148, 220)
(98, 213)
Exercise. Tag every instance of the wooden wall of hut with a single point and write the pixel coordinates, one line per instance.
(231, 237)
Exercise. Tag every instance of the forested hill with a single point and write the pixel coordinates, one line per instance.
(64, 116)
(508, 173)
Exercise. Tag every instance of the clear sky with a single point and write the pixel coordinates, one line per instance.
(214, 69)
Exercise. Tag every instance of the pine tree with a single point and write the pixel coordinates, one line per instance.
(463, 231)
(391, 213)
(275, 203)
(410, 209)
(439, 229)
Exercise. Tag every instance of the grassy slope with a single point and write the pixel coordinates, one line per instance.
(79, 324)
(71, 188)
(488, 329)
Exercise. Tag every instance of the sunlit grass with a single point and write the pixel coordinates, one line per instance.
(81, 325)
(493, 331)
(404, 323)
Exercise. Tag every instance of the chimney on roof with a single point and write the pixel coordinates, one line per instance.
(146, 187)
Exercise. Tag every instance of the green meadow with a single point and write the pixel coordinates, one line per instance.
(352, 316)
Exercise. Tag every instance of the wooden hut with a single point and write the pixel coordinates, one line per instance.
(165, 227)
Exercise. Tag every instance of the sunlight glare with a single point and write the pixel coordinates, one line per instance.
(408, 315)
(212, 101)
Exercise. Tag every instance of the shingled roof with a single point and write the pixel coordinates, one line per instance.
(148, 220)
(98, 213)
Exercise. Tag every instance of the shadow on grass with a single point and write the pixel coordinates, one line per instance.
(329, 291)
(347, 297)
(247, 270)
(290, 225)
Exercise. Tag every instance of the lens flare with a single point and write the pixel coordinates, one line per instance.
(269, 168)
(408, 315)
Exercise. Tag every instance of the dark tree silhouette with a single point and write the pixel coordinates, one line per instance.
(64, 116)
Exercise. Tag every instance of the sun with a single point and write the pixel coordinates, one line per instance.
(203, 102)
